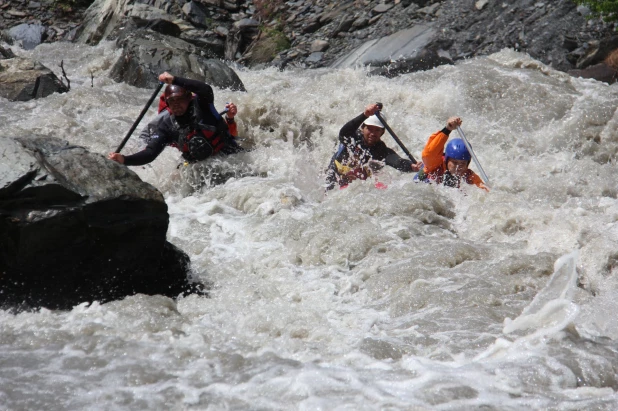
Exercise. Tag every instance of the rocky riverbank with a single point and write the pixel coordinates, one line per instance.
(319, 33)
(56, 23)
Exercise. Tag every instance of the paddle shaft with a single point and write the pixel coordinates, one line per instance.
(476, 161)
(141, 115)
(386, 126)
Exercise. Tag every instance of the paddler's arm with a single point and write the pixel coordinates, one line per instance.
(401, 164)
(201, 89)
(145, 156)
(152, 150)
(349, 128)
(434, 149)
(474, 178)
(232, 110)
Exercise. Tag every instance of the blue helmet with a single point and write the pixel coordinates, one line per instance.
(456, 149)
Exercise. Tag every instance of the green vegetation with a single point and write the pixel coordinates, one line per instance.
(277, 37)
(607, 9)
(270, 42)
(209, 23)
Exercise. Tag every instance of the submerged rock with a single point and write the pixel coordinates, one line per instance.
(29, 35)
(23, 79)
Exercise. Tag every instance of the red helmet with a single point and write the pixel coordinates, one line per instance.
(177, 92)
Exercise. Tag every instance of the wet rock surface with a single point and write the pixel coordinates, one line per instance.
(148, 53)
(23, 79)
(57, 23)
(77, 227)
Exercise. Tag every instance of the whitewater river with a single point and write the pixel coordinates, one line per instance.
(415, 297)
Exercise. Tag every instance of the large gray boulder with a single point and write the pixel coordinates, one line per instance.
(196, 13)
(23, 79)
(103, 17)
(77, 227)
(403, 45)
(428, 58)
(146, 54)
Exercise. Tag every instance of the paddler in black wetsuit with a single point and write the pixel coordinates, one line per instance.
(361, 151)
(192, 124)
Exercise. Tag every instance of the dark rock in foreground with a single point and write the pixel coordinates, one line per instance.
(77, 227)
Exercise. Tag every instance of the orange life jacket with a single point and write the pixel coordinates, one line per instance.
(438, 175)
(434, 166)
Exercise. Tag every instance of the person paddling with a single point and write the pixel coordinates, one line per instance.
(151, 130)
(361, 151)
(447, 163)
(190, 123)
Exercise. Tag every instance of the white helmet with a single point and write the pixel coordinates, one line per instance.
(374, 121)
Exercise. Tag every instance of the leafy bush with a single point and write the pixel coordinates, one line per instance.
(607, 9)
(279, 39)
(271, 42)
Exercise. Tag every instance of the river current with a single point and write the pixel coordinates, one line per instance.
(413, 297)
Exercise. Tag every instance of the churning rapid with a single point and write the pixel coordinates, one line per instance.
(412, 297)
